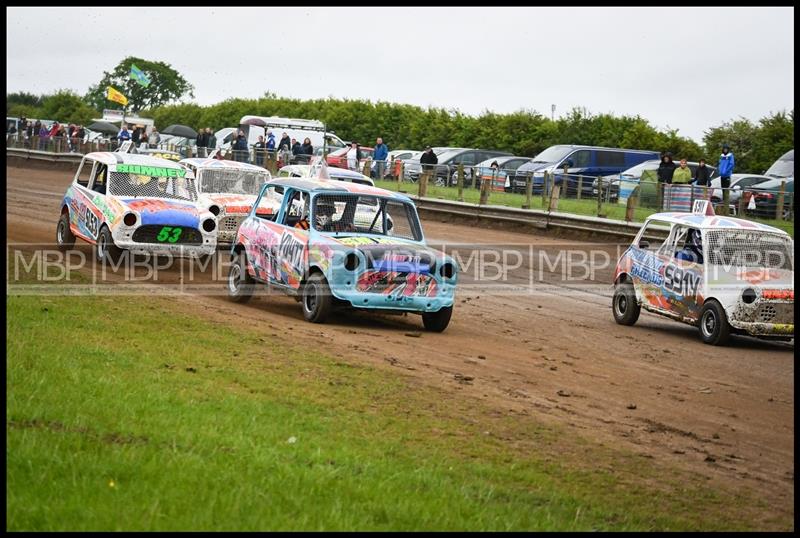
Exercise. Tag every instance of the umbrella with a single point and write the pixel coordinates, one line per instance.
(180, 130)
(255, 121)
(103, 127)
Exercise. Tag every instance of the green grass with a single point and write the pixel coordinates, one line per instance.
(565, 205)
(125, 414)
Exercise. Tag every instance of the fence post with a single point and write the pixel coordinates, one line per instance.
(781, 198)
(600, 199)
(528, 192)
(485, 185)
(552, 201)
(391, 168)
(400, 172)
(740, 206)
(630, 207)
(460, 179)
(544, 188)
(367, 167)
(580, 185)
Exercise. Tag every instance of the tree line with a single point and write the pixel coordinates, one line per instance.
(525, 132)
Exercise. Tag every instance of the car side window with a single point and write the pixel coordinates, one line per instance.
(297, 208)
(265, 206)
(655, 228)
(580, 159)
(610, 158)
(84, 175)
(100, 180)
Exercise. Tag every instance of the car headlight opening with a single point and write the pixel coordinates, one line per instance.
(447, 270)
(749, 296)
(209, 225)
(129, 219)
(351, 262)
(215, 210)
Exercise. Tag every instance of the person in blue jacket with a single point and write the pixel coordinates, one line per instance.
(725, 168)
(270, 141)
(379, 155)
(240, 149)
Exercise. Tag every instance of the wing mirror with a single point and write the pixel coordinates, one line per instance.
(737, 187)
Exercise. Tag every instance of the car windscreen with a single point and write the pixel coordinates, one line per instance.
(231, 181)
(365, 214)
(782, 168)
(154, 186)
(748, 248)
(552, 154)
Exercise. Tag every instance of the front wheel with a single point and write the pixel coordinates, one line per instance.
(240, 284)
(106, 250)
(714, 326)
(317, 301)
(65, 239)
(437, 321)
(623, 304)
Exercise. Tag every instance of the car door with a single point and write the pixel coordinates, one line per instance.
(85, 217)
(282, 245)
(682, 278)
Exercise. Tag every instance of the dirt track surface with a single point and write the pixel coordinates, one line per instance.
(551, 352)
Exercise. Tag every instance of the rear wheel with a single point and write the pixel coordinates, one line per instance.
(317, 301)
(240, 284)
(437, 321)
(714, 326)
(65, 239)
(623, 304)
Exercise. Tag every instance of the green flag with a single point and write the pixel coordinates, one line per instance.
(139, 76)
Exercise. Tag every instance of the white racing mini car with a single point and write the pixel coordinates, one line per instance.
(229, 189)
(122, 201)
(722, 274)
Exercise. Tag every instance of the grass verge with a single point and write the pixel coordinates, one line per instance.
(125, 415)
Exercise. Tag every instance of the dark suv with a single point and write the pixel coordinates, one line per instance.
(449, 159)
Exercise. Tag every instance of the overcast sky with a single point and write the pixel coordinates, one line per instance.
(686, 68)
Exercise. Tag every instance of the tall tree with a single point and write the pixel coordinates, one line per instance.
(166, 85)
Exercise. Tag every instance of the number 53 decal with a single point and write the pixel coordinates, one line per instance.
(91, 221)
(169, 234)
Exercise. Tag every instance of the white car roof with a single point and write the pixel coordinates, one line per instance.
(115, 158)
(716, 222)
(200, 162)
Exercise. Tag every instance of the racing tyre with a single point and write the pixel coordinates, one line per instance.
(65, 239)
(437, 321)
(317, 300)
(623, 304)
(105, 249)
(714, 326)
(240, 284)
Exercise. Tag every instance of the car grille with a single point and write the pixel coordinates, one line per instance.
(230, 223)
(775, 313)
(149, 234)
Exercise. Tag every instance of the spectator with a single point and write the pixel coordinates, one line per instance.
(260, 147)
(202, 142)
(353, 156)
(702, 174)
(154, 139)
(270, 141)
(379, 155)
(306, 151)
(726, 164)
(12, 129)
(123, 133)
(135, 135)
(428, 159)
(285, 144)
(211, 139)
(240, 149)
(44, 137)
(666, 169)
(295, 150)
(682, 174)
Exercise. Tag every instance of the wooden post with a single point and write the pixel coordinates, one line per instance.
(580, 185)
(400, 172)
(630, 207)
(781, 198)
(660, 195)
(367, 167)
(528, 192)
(600, 212)
(391, 167)
(485, 186)
(740, 206)
(460, 179)
(544, 189)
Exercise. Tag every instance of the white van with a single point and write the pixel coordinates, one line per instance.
(300, 129)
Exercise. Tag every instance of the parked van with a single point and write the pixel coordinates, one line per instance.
(587, 161)
(300, 129)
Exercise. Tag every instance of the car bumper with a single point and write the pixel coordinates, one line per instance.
(754, 328)
(396, 299)
(180, 251)
(764, 318)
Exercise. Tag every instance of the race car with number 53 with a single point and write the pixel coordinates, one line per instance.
(138, 203)
(721, 274)
(320, 248)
